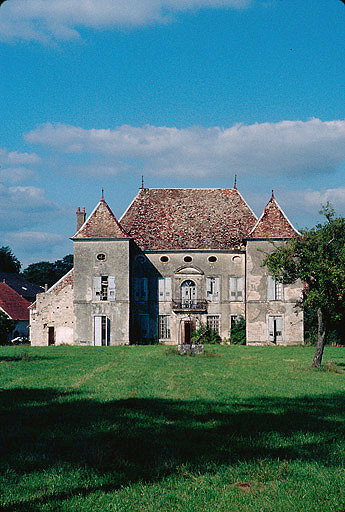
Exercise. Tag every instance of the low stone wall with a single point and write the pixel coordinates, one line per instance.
(190, 349)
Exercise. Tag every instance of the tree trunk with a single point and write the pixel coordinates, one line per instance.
(321, 338)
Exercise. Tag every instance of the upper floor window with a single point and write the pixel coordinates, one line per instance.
(104, 288)
(164, 288)
(188, 292)
(275, 290)
(141, 289)
(237, 288)
(212, 289)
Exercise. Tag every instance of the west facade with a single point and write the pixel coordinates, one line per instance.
(176, 259)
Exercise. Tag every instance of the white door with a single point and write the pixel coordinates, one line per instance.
(101, 331)
(98, 331)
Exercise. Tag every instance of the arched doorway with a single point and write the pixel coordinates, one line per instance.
(188, 293)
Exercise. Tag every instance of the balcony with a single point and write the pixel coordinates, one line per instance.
(196, 306)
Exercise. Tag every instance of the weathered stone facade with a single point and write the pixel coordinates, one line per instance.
(177, 259)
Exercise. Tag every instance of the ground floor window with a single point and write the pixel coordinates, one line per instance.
(164, 327)
(275, 328)
(213, 323)
(234, 319)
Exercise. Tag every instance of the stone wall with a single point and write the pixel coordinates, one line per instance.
(259, 308)
(53, 309)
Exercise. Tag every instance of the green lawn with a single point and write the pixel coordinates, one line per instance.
(143, 429)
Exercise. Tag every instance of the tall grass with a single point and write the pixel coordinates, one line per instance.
(142, 429)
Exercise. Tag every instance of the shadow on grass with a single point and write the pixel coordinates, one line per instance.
(147, 439)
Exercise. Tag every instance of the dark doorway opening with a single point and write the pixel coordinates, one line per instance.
(188, 331)
(51, 336)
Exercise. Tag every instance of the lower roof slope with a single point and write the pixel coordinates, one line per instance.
(13, 304)
(167, 219)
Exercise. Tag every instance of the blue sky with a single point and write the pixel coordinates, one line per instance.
(95, 93)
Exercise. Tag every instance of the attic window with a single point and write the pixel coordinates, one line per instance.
(164, 259)
(140, 258)
(212, 259)
(187, 259)
(101, 256)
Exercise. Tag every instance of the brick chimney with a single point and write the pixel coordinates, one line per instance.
(81, 215)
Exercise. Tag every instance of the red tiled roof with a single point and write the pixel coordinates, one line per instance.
(273, 223)
(13, 304)
(163, 219)
(101, 224)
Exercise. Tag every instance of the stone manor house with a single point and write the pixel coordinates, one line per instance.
(175, 259)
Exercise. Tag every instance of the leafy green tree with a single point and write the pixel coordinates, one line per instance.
(317, 258)
(6, 327)
(8, 261)
(45, 272)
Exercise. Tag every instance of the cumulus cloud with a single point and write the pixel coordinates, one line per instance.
(28, 206)
(15, 174)
(16, 158)
(285, 148)
(44, 20)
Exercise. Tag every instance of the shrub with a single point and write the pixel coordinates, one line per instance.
(204, 335)
(238, 332)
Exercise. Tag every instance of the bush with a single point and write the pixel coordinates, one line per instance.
(204, 335)
(238, 332)
(6, 327)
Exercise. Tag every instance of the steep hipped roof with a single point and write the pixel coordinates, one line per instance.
(13, 304)
(273, 223)
(165, 219)
(101, 224)
(20, 285)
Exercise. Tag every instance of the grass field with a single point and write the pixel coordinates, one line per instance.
(143, 429)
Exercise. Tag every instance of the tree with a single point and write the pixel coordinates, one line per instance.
(45, 272)
(6, 327)
(317, 258)
(8, 261)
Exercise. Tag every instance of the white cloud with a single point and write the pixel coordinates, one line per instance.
(288, 148)
(15, 158)
(44, 20)
(27, 206)
(15, 174)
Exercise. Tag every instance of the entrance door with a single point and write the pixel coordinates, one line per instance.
(101, 331)
(51, 336)
(188, 293)
(275, 328)
(188, 330)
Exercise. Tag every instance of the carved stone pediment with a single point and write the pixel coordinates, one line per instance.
(189, 270)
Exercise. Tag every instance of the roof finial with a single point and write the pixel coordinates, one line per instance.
(142, 183)
(102, 194)
(272, 194)
(235, 183)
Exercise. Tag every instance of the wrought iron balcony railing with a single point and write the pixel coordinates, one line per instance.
(189, 305)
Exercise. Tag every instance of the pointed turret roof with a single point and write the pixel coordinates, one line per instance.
(273, 223)
(101, 224)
